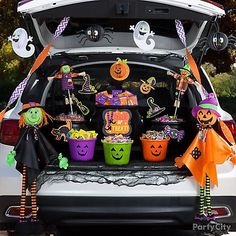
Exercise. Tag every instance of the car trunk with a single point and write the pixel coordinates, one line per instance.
(95, 58)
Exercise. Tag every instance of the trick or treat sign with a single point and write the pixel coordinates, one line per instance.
(117, 122)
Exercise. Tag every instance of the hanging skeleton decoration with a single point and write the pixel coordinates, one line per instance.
(217, 41)
(206, 151)
(95, 33)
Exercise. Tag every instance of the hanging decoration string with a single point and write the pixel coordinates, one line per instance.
(38, 62)
(181, 33)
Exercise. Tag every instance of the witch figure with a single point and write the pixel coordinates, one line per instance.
(202, 156)
(32, 154)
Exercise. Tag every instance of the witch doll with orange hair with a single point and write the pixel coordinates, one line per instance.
(32, 153)
(207, 150)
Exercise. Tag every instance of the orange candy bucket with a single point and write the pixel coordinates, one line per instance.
(154, 150)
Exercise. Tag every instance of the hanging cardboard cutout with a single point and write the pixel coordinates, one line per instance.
(21, 43)
(143, 36)
(120, 70)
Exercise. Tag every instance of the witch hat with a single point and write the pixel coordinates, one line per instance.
(154, 109)
(87, 88)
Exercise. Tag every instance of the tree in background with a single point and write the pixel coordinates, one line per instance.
(12, 67)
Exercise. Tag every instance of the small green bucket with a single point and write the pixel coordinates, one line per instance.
(117, 153)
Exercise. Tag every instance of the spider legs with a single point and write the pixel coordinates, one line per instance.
(108, 37)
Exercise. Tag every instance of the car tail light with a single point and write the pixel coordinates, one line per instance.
(14, 212)
(215, 4)
(232, 127)
(9, 132)
(220, 211)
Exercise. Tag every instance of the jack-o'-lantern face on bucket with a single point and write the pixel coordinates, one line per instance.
(206, 117)
(156, 150)
(119, 70)
(117, 154)
(82, 149)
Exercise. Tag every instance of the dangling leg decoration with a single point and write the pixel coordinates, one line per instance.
(202, 202)
(208, 198)
(34, 202)
(23, 196)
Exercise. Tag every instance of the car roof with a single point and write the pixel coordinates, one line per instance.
(204, 7)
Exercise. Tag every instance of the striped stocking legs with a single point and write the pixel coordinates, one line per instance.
(23, 195)
(34, 201)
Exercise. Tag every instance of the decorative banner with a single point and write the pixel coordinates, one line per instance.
(20, 43)
(191, 61)
(117, 122)
(38, 62)
(143, 36)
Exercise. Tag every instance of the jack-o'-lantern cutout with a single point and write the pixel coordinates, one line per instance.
(146, 86)
(206, 117)
(119, 70)
(82, 150)
(117, 153)
(156, 150)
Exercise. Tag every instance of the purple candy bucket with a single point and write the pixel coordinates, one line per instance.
(82, 150)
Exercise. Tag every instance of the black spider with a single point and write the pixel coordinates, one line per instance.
(95, 33)
(217, 41)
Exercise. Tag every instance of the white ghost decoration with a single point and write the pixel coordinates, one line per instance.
(20, 43)
(143, 36)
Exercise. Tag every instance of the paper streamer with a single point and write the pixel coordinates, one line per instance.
(38, 62)
(191, 61)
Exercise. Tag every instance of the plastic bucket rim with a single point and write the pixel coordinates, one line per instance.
(83, 140)
(153, 140)
(105, 142)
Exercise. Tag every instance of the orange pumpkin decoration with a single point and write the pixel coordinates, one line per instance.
(119, 70)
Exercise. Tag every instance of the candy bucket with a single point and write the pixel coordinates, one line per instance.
(154, 150)
(117, 153)
(82, 150)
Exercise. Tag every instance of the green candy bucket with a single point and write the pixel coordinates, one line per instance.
(117, 153)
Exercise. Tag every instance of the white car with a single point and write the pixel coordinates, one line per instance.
(140, 192)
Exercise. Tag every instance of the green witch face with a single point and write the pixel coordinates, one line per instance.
(65, 69)
(33, 116)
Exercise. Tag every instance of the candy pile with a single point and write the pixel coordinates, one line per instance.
(117, 139)
(72, 117)
(81, 134)
(154, 135)
(167, 118)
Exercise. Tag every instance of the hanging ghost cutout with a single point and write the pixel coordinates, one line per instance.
(143, 36)
(20, 43)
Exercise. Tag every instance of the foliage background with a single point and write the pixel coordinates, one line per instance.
(220, 66)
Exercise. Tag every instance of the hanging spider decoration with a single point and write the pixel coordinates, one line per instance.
(95, 33)
(217, 40)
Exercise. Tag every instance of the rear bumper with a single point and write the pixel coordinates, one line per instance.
(159, 211)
